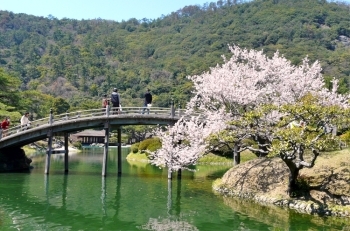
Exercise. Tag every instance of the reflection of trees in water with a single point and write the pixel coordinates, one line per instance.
(117, 198)
(43, 213)
(172, 222)
(2, 217)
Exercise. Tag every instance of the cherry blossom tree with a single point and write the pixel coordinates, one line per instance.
(248, 80)
(185, 142)
(255, 98)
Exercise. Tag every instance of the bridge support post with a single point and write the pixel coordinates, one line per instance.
(169, 203)
(105, 152)
(179, 173)
(172, 109)
(119, 150)
(66, 152)
(169, 174)
(48, 154)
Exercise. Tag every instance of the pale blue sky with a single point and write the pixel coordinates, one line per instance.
(116, 10)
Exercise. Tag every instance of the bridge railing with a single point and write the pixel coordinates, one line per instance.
(116, 111)
(81, 114)
(20, 129)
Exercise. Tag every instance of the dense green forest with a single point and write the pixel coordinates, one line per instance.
(68, 64)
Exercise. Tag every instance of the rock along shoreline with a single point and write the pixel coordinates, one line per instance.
(265, 181)
(298, 205)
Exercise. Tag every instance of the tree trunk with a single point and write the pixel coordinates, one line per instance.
(263, 141)
(236, 155)
(293, 176)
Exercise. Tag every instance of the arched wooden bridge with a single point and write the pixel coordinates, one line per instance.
(108, 119)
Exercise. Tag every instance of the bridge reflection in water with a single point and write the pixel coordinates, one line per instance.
(108, 119)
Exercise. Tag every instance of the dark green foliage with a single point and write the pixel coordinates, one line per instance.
(155, 145)
(9, 88)
(150, 144)
(135, 147)
(144, 144)
(80, 60)
(224, 151)
(60, 106)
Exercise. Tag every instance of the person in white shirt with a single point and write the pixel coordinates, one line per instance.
(25, 123)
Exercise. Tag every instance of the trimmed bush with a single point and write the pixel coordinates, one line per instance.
(144, 144)
(135, 147)
(150, 144)
(154, 146)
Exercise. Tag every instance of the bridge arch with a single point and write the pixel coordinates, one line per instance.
(81, 120)
(76, 121)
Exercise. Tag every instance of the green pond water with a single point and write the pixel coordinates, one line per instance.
(141, 198)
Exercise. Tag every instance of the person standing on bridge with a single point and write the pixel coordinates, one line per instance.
(104, 101)
(115, 99)
(148, 102)
(25, 123)
(5, 124)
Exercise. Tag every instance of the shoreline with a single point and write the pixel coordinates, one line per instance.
(299, 205)
(265, 181)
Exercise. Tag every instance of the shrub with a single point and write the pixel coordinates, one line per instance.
(155, 145)
(78, 145)
(135, 147)
(144, 144)
(150, 144)
(346, 137)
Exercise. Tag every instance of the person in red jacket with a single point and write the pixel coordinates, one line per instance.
(5, 124)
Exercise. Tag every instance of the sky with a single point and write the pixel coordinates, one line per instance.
(116, 10)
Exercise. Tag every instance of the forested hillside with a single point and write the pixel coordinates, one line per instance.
(71, 63)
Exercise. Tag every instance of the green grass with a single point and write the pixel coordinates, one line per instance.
(137, 157)
(214, 159)
(246, 156)
(207, 159)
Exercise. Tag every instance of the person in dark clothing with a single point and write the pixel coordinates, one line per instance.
(115, 99)
(147, 102)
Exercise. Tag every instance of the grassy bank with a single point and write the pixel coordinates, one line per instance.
(209, 159)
